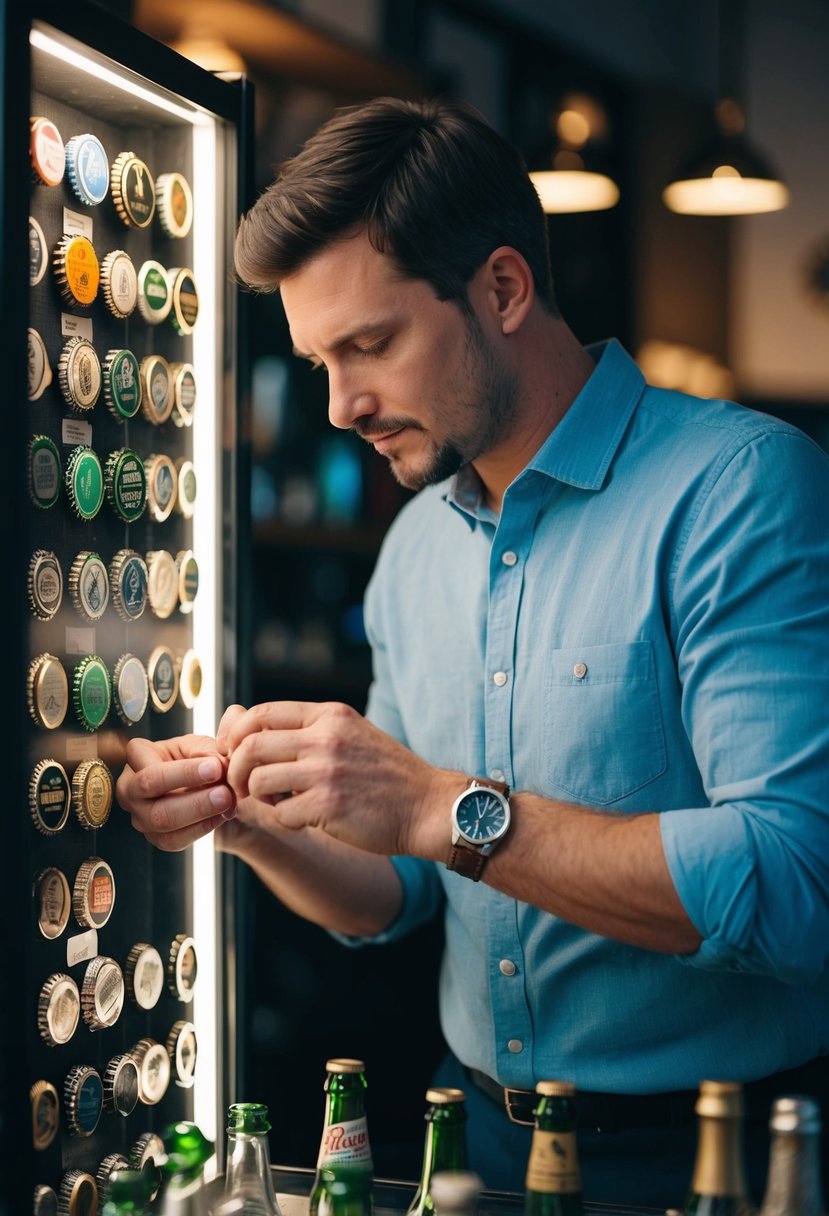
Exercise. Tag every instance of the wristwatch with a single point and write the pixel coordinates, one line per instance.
(480, 818)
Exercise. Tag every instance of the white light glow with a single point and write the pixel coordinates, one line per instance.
(725, 194)
(566, 190)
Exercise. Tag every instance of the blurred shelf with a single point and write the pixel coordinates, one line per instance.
(361, 540)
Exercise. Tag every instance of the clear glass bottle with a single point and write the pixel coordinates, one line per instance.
(248, 1174)
(343, 1183)
(794, 1185)
(552, 1184)
(130, 1191)
(455, 1192)
(445, 1144)
(718, 1184)
(186, 1149)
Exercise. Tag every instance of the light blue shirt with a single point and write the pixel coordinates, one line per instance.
(644, 628)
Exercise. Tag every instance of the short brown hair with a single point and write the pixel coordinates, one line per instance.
(430, 182)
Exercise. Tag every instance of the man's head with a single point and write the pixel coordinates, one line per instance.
(430, 183)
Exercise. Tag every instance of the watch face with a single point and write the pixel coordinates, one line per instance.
(481, 816)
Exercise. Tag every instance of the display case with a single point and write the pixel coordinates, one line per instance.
(124, 528)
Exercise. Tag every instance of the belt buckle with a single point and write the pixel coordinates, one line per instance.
(509, 1102)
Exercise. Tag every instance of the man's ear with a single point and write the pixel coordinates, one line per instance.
(510, 287)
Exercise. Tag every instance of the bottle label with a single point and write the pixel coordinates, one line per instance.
(553, 1167)
(346, 1143)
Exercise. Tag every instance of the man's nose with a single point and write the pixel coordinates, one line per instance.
(347, 401)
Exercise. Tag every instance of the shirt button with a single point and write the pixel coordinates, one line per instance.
(497, 774)
(500, 678)
(509, 558)
(506, 966)
(515, 1046)
(580, 671)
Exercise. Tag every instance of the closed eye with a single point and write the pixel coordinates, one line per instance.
(377, 348)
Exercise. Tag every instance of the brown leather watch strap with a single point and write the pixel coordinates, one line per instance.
(466, 861)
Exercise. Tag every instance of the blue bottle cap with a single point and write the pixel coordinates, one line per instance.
(87, 168)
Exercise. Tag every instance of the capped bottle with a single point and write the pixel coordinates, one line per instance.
(343, 1183)
(455, 1192)
(186, 1149)
(718, 1183)
(552, 1184)
(794, 1185)
(248, 1175)
(445, 1143)
(130, 1191)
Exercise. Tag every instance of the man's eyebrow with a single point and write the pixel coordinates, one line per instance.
(360, 331)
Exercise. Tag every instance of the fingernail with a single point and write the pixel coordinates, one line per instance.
(210, 769)
(221, 798)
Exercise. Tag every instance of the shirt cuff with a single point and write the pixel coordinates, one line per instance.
(422, 891)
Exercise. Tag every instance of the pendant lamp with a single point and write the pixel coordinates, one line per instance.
(567, 172)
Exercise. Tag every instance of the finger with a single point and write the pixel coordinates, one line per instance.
(265, 764)
(231, 714)
(161, 777)
(175, 842)
(272, 715)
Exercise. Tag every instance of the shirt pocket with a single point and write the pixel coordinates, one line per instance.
(605, 733)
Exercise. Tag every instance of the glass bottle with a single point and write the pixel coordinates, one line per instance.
(794, 1186)
(552, 1185)
(130, 1191)
(186, 1149)
(343, 1183)
(455, 1192)
(445, 1144)
(248, 1175)
(718, 1184)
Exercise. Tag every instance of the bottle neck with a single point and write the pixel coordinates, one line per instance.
(445, 1145)
(794, 1178)
(719, 1163)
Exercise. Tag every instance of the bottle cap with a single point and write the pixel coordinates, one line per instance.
(186, 1148)
(248, 1117)
(53, 902)
(146, 1155)
(47, 689)
(182, 967)
(87, 168)
(154, 296)
(102, 993)
(58, 1009)
(125, 482)
(162, 588)
(187, 487)
(49, 792)
(92, 793)
(144, 973)
(128, 578)
(38, 252)
(184, 393)
(45, 472)
(795, 1113)
(121, 1085)
(122, 384)
(89, 585)
(184, 309)
(156, 389)
(83, 1094)
(76, 270)
(91, 692)
(93, 893)
(45, 584)
(79, 374)
(133, 190)
(555, 1089)
(153, 1065)
(130, 689)
(720, 1099)
(78, 1194)
(161, 486)
(84, 480)
(345, 1065)
(182, 1049)
(175, 204)
(45, 1201)
(163, 676)
(48, 152)
(119, 283)
(103, 1176)
(439, 1096)
(188, 579)
(40, 373)
(45, 1102)
(190, 678)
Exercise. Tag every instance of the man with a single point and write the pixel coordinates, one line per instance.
(613, 600)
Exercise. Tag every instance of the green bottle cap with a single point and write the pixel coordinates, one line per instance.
(186, 1148)
(85, 482)
(91, 692)
(44, 471)
(126, 484)
(248, 1117)
(122, 384)
(154, 296)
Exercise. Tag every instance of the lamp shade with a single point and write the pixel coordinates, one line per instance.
(567, 171)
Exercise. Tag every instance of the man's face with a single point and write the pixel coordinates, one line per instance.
(417, 378)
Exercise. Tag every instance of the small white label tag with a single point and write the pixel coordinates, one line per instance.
(75, 224)
(80, 641)
(75, 327)
(82, 947)
(73, 431)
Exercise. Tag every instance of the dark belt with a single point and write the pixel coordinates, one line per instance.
(602, 1112)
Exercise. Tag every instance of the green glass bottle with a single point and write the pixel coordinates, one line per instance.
(248, 1174)
(794, 1185)
(343, 1183)
(130, 1191)
(552, 1186)
(445, 1144)
(718, 1183)
(186, 1149)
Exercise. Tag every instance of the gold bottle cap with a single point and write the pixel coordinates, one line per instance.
(49, 792)
(144, 973)
(439, 1096)
(58, 1009)
(119, 283)
(79, 374)
(131, 689)
(45, 1102)
(92, 793)
(162, 671)
(45, 1201)
(148, 1151)
(47, 151)
(184, 311)
(555, 1089)
(121, 1085)
(186, 498)
(45, 584)
(47, 691)
(720, 1098)
(153, 1065)
(89, 585)
(156, 389)
(345, 1065)
(40, 373)
(182, 967)
(83, 1099)
(133, 190)
(154, 296)
(76, 270)
(102, 993)
(184, 393)
(78, 1194)
(182, 1048)
(128, 578)
(188, 579)
(162, 481)
(53, 901)
(162, 585)
(175, 204)
(93, 893)
(190, 678)
(110, 1163)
